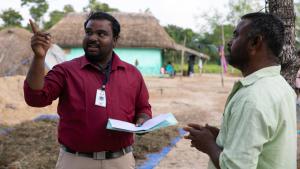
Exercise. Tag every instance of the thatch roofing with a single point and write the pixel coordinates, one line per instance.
(137, 30)
(15, 51)
(191, 51)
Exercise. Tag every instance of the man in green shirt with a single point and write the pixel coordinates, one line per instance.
(258, 130)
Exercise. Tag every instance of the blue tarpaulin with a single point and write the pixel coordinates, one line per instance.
(154, 158)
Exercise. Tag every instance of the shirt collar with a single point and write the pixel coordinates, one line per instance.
(116, 62)
(264, 72)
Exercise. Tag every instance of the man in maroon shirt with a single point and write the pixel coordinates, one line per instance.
(91, 89)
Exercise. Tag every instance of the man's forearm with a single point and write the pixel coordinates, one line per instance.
(214, 154)
(36, 73)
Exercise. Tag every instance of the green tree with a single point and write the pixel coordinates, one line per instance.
(68, 8)
(175, 32)
(215, 37)
(211, 35)
(179, 34)
(211, 19)
(37, 8)
(94, 5)
(207, 42)
(239, 8)
(210, 41)
(11, 17)
(57, 15)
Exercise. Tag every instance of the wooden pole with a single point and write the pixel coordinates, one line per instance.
(222, 68)
(182, 57)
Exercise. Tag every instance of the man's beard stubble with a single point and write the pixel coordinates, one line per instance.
(93, 58)
(237, 62)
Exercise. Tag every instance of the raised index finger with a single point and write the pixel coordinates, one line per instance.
(33, 27)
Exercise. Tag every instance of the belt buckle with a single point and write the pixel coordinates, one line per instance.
(124, 151)
(99, 155)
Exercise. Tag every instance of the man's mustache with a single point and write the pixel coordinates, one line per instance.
(93, 43)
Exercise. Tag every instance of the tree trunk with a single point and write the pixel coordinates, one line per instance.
(284, 9)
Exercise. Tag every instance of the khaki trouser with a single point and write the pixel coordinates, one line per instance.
(71, 161)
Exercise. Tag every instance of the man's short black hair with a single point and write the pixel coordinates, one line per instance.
(98, 15)
(270, 27)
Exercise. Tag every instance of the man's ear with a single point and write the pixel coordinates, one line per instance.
(115, 40)
(256, 41)
(255, 44)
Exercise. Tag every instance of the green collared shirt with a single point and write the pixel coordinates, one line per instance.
(259, 123)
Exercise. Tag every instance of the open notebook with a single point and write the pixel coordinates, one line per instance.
(160, 121)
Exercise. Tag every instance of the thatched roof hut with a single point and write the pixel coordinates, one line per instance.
(138, 30)
(15, 51)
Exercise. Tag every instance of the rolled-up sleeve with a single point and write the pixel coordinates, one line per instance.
(53, 85)
(248, 130)
(142, 99)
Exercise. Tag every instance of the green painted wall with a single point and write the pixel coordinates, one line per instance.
(149, 59)
(74, 53)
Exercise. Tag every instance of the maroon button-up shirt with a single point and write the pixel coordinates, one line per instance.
(82, 124)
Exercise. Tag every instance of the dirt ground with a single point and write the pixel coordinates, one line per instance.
(198, 99)
(13, 108)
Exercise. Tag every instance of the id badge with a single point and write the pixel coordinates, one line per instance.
(100, 98)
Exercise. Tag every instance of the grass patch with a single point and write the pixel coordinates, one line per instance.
(34, 145)
(209, 68)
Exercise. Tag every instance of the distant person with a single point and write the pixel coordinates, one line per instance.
(298, 91)
(298, 95)
(170, 69)
(200, 66)
(162, 70)
(136, 63)
(91, 89)
(298, 82)
(191, 63)
(298, 77)
(259, 129)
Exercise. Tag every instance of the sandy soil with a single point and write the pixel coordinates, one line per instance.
(199, 99)
(13, 108)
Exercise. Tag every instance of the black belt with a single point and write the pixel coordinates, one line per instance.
(100, 155)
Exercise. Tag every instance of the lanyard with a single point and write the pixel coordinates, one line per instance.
(107, 74)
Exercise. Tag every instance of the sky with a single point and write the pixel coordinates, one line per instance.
(183, 13)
